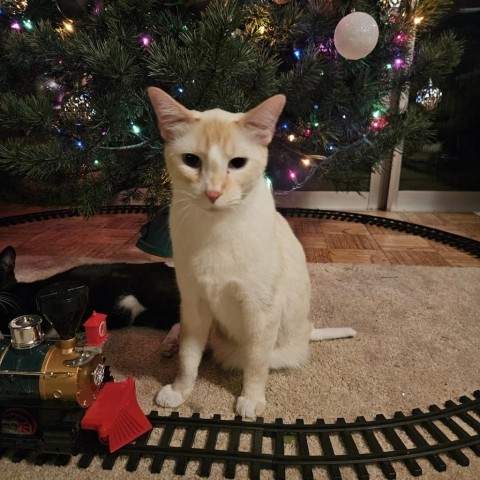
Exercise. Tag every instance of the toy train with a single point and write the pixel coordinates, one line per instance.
(51, 391)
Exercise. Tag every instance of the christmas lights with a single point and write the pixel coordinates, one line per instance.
(145, 40)
(68, 26)
(324, 113)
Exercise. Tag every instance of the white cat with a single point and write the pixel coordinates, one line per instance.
(241, 272)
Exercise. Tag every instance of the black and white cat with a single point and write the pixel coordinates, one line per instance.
(143, 294)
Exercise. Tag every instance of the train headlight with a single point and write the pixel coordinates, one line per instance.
(98, 374)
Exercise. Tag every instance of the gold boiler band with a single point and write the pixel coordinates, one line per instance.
(82, 383)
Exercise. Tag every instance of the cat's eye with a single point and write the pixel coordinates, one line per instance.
(237, 162)
(192, 160)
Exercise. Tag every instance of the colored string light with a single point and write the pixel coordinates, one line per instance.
(399, 63)
(68, 26)
(293, 176)
(145, 40)
(306, 162)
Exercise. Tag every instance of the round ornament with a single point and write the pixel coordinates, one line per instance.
(394, 8)
(14, 7)
(390, 6)
(356, 35)
(77, 106)
(429, 97)
(49, 87)
(73, 8)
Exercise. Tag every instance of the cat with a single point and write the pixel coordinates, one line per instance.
(241, 272)
(143, 294)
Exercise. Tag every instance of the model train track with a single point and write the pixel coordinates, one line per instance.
(466, 244)
(383, 442)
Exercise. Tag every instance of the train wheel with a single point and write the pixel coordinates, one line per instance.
(18, 421)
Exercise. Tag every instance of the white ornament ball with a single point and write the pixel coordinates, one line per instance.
(356, 35)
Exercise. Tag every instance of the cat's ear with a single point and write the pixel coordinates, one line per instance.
(172, 117)
(7, 259)
(262, 119)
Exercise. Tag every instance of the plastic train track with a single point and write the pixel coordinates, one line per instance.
(468, 245)
(384, 442)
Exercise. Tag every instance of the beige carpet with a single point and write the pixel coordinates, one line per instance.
(418, 344)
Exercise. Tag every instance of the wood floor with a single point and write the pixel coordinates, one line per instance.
(326, 241)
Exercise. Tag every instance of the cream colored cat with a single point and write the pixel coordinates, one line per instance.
(241, 272)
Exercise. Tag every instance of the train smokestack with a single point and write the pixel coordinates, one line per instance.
(63, 305)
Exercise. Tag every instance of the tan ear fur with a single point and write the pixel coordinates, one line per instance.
(261, 120)
(172, 117)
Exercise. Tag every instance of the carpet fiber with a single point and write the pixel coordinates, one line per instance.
(417, 344)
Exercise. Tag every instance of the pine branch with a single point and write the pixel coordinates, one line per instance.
(208, 54)
(32, 114)
(436, 58)
(110, 60)
(45, 161)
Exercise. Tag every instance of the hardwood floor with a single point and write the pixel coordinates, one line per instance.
(114, 236)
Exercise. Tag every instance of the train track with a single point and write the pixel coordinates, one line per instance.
(468, 245)
(459, 242)
(384, 442)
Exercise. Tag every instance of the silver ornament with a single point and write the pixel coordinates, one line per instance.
(394, 3)
(77, 106)
(397, 7)
(49, 87)
(429, 97)
(391, 7)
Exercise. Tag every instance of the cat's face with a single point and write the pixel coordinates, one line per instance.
(215, 157)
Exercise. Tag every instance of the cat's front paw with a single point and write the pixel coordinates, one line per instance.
(250, 407)
(168, 397)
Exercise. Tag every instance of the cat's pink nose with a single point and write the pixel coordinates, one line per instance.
(212, 195)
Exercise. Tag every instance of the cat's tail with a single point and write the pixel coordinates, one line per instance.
(331, 333)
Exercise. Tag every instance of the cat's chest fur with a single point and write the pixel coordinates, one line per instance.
(228, 256)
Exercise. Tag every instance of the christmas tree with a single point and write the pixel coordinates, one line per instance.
(77, 129)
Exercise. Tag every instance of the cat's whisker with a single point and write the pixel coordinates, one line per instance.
(183, 213)
(187, 193)
(181, 200)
